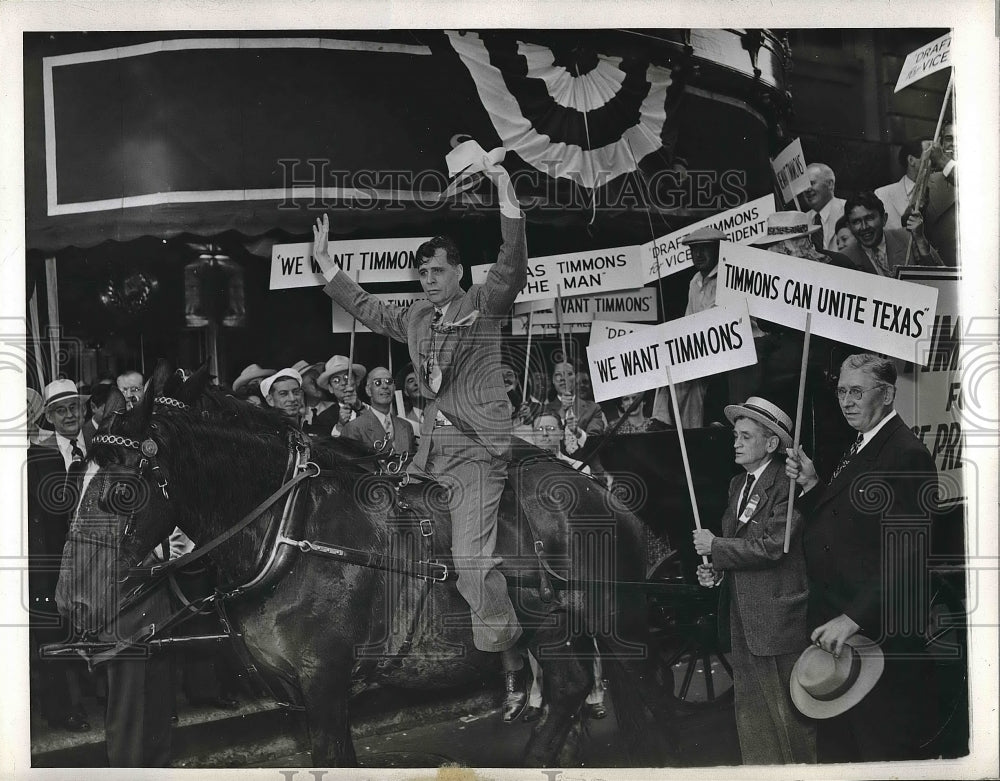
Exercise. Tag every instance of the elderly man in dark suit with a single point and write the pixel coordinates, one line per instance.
(376, 423)
(454, 341)
(54, 471)
(864, 529)
(762, 606)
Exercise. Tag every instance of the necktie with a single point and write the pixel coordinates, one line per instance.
(388, 428)
(432, 372)
(77, 459)
(853, 451)
(818, 237)
(746, 494)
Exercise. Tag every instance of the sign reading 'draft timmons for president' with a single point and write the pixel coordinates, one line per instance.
(865, 310)
(716, 340)
(367, 260)
(666, 255)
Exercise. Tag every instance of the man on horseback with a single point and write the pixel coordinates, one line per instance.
(454, 342)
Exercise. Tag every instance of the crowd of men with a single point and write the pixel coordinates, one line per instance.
(455, 407)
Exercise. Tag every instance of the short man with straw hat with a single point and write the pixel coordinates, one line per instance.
(866, 533)
(762, 604)
(341, 378)
(54, 470)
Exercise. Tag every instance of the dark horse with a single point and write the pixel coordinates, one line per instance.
(200, 460)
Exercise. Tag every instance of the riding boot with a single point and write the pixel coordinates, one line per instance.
(516, 696)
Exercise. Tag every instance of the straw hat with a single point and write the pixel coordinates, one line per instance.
(249, 374)
(340, 363)
(265, 385)
(60, 390)
(786, 225)
(767, 414)
(303, 368)
(704, 236)
(823, 686)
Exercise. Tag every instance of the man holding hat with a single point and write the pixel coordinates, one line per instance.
(283, 391)
(703, 244)
(341, 378)
(54, 471)
(762, 604)
(454, 342)
(865, 525)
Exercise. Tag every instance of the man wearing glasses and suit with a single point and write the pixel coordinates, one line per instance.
(862, 543)
(454, 342)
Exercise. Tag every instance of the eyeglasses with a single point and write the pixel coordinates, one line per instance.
(383, 382)
(339, 380)
(545, 429)
(855, 393)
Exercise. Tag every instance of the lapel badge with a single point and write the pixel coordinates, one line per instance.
(148, 448)
(749, 509)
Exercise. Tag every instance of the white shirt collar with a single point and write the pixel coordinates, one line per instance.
(66, 447)
(701, 280)
(867, 436)
(758, 472)
(378, 415)
(824, 213)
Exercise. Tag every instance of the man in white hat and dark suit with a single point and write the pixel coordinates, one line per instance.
(762, 605)
(862, 540)
(454, 342)
(54, 471)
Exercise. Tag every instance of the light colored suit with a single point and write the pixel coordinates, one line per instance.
(762, 612)
(896, 244)
(367, 428)
(470, 456)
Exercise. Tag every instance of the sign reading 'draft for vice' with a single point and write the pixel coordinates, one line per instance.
(866, 310)
(342, 320)
(666, 255)
(368, 260)
(630, 305)
(604, 330)
(716, 340)
(925, 61)
(790, 170)
(578, 273)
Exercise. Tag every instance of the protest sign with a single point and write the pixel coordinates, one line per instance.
(929, 396)
(603, 330)
(546, 324)
(666, 255)
(342, 321)
(866, 310)
(577, 273)
(925, 61)
(630, 305)
(367, 260)
(709, 342)
(790, 171)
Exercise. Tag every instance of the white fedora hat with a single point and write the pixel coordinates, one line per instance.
(767, 414)
(266, 383)
(60, 390)
(823, 685)
(337, 364)
(250, 373)
(786, 225)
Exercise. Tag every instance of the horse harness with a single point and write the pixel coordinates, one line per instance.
(275, 559)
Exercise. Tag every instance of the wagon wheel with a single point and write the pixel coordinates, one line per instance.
(690, 664)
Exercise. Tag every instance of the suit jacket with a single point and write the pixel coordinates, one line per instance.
(591, 417)
(51, 502)
(471, 394)
(896, 242)
(940, 218)
(366, 428)
(767, 586)
(843, 536)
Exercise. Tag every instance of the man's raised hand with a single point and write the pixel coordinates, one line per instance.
(321, 243)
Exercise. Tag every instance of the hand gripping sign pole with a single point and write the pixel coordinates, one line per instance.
(924, 174)
(798, 428)
(684, 454)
